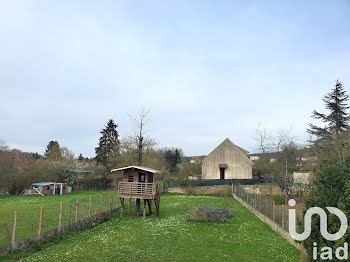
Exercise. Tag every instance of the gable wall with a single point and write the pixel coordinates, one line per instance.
(239, 165)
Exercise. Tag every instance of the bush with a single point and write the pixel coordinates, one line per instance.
(204, 214)
(278, 199)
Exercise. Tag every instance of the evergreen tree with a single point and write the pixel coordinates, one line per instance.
(329, 190)
(36, 156)
(80, 157)
(177, 157)
(109, 143)
(337, 120)
(53, 151)
(173, 158)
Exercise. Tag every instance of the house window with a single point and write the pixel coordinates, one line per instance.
(131, 179)
(48, 188)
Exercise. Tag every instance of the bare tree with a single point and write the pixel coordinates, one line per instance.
(3, 146)
(263, 139)
(281, 138)
(268, 141)
(140, 121)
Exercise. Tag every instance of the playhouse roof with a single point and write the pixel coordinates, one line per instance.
(147, 169)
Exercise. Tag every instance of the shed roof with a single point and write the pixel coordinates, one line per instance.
(147, 169)
(43, 183)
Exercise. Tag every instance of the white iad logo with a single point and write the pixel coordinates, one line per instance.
(326, 251)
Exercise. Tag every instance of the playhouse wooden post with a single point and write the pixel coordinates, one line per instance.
(121, 206)
(138, 207)
(149, 206)
(129, 207)
(144, 209)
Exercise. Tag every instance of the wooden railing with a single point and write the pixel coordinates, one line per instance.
(136, 189)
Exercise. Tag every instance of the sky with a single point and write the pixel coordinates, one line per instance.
(206, 70)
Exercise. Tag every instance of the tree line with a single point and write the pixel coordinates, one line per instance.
(19, 170)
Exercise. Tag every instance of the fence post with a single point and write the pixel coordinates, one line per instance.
(100, 203)
(266, 205)
(40, 220)
(260, 203)
(273, 210)
(76, 210)
(112, 203)
(255, 197)
(60, 217)
(109, 202)
(283, 216)
(89, 209)
(14, 228)
(117, 200)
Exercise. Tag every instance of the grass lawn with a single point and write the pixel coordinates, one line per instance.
(172, 237)
(190, 164)
(28, 211)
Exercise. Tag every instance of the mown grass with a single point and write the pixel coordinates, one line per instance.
(28, 211)
(190, 164)
(172, 237)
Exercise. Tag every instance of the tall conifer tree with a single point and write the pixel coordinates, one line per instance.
(337, 120)
(109, 143)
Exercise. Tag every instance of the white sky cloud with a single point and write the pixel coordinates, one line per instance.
(206, 70)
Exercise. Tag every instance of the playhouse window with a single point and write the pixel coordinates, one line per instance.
(142, 178)
(131, 179)
(48, 188)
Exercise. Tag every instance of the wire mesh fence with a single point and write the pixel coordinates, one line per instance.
(35, 224)
(264, 205)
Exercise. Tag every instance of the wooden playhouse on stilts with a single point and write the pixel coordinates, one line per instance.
(138, 183)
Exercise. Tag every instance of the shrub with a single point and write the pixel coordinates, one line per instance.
(204, 214)
(278, 199)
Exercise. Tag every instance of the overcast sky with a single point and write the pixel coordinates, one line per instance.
(207, 70)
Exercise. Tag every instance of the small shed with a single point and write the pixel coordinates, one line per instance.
(302, 177)
(50, 188)
(138, 183)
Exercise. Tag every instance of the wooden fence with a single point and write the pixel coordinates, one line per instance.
(56, 221)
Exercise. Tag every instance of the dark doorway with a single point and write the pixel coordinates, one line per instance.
(150, 178)
(222, 173)
(142, 178)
